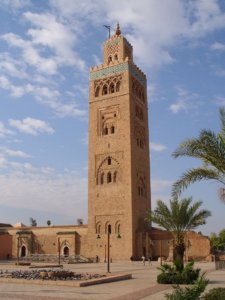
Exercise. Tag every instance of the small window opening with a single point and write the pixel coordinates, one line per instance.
(109, 177)
(112, 129)
(105, 90)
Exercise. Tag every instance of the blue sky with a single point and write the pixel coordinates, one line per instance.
(46, 50)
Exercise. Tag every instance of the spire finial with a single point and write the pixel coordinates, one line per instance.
(118, 31)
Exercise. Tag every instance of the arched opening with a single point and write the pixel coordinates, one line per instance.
(109, 177)
(105, 89)
(105, 131)
(111, 88)
(66, 251)
(97, 91)
(102, 179)
(109, 229)
(23, 251)
(115, 176)
(112, 129)
(116, 57)
(118, 86)
(98, 228)
(109, 59)
(109, 160)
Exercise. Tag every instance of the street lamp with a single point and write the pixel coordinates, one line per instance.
(59, 250)
(108, 246)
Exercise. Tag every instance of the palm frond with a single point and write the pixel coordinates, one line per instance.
(194, 175)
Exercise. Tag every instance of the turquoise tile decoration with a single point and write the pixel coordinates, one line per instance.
(118, 69)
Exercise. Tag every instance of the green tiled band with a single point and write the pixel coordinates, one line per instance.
(117, 69)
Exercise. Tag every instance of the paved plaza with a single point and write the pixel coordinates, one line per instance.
(142, 286)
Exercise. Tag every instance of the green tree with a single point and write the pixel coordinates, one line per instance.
(33, 222)
(209, 147)
(218, 241)
(180, 217)
(49, 222)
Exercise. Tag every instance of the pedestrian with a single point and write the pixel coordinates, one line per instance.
(143, 260)
(96, 258)
(149, 261)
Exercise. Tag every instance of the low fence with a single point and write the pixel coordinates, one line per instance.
(220, 264)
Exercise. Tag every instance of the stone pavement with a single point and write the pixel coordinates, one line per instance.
(143, 285)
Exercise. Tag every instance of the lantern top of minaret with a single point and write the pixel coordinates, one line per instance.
(118, 31)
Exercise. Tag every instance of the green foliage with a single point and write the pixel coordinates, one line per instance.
(209, 148)
(174, 274)
(49, 222)
(33, 222)
(180, 217)
(215, 294)
(189, 293)
(218, 241)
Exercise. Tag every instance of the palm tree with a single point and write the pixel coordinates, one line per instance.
(181, 217)
(210, 149)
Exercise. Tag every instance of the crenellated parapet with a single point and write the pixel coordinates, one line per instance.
(115, 68)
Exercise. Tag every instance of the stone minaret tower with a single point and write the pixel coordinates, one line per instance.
(119, 172)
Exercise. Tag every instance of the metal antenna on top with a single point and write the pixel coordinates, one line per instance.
(108, 27)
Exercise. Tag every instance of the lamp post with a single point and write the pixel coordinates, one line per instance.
(108, 252)
(59, 250)
(160, 252)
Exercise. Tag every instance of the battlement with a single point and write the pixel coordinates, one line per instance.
(117, 67)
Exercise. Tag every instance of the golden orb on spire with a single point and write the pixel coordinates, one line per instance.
(117, 31)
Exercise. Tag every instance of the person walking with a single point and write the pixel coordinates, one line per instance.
(143, 260)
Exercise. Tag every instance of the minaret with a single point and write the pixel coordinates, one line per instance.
(119, 171)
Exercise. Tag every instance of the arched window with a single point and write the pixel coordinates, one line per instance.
(23, 251)
(139, 191)
(105, 131)
(115, 176)
(139, 94)
(109, 229)
(105, 89)
(109, 177)
(112, 129)
(109, 59)
(102, 178)
(116, 57)
(98, 228)
(111, 88)
(66, 251)
(97, 91)
(118, 86)
(109, 160)
(137, 111)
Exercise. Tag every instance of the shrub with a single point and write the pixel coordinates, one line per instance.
(173, 275)
(189, 293)
(215, 294)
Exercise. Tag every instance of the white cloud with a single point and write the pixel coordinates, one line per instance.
(185, 101)
(15, 4)
(154, 27)
(13, 153)
(31, 55)
(31, 126)
(218, 46)
(2, 161)
(11, 66)
(4, 131)
(44, 95)
(159, 185)
(31, 188)
(219, 101)
(157, 147)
